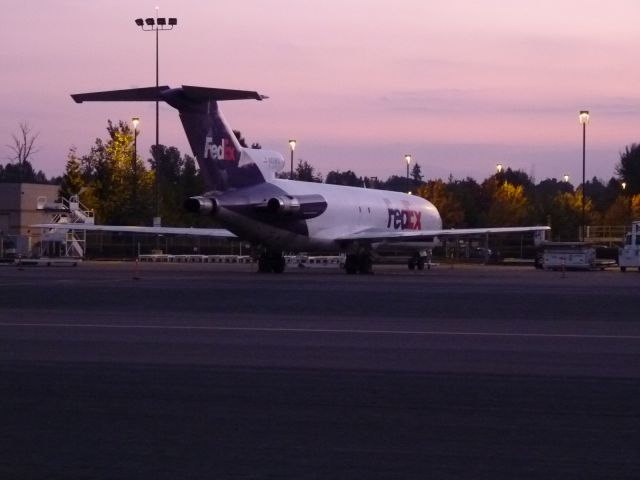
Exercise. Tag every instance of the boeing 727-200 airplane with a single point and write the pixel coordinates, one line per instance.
(286, 215)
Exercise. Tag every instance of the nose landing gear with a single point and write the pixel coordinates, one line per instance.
(419, 261)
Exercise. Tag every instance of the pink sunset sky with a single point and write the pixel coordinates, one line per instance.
(460, 85)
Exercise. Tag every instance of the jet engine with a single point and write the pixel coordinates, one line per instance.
(201, 205)
(284, 205)
(302, 206)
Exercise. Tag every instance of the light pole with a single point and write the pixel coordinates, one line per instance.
(135, 121)
(134, 160)
(584, 119)
(565, 178)
(624, 191)
(292, 147)
(156, 25)
(408, 159)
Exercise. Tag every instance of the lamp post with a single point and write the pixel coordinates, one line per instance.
(499, 168)
(624, 191)
(408, 159)
(156, 25)
(584, 119)
(134, 161)
(565, 178)
(135, 121)
(292, 147)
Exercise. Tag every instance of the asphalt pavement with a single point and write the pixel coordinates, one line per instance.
(111, 370)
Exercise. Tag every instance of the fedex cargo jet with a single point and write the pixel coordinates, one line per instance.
(279, 215)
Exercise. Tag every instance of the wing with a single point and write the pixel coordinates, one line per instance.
(383, 235)
(205, 232)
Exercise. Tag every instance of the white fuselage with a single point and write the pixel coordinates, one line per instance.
(350, 210)
(353, 209)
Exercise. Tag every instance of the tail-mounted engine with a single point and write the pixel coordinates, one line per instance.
(301, 206)
(201, 205)
(285, 206)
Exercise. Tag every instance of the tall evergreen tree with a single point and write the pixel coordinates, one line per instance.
(72, 181)
(305, 172)
(416, 174)
(628, 169)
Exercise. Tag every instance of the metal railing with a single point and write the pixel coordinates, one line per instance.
(609, 233)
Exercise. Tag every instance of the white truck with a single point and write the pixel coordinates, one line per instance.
(629, 254)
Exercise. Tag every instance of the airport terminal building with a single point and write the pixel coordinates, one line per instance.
(18, 210)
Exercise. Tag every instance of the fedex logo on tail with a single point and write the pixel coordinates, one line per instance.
(224, 151)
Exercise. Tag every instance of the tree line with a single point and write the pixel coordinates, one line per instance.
(122, 189)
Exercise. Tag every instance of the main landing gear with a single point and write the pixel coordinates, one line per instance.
(271, 261)
(358, 263)
(418, 261)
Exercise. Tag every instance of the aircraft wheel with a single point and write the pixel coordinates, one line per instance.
(365, 263)
(271, 261)
(264, 266)
(278, 264)
(351, 264)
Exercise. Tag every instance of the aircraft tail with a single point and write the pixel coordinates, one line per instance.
(220, 157)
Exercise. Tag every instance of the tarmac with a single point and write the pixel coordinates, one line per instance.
(112, 370)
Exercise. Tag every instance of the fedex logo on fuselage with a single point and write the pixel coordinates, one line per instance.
(404, 219)
(225, 151)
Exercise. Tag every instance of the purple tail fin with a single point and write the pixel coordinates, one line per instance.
(213, 143)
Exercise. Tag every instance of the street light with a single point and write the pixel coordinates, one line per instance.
(292, 147)
(584, 119)
(134, 161)
(135, 121)
(499, 176)
(565, 178)
(156, 25)
(408, 159)
(624, 190)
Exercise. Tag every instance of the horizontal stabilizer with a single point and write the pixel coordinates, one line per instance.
(147, 94)
(205, 93)
(165, 93)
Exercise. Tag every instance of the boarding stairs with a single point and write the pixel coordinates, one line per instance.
(59, 241)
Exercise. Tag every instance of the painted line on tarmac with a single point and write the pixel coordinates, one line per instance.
(317, 330)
